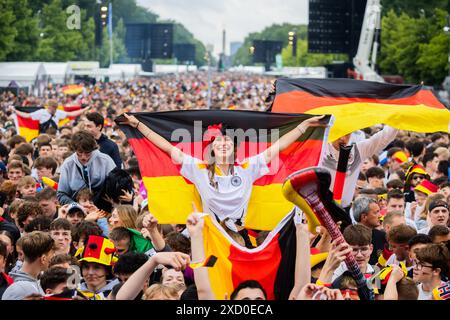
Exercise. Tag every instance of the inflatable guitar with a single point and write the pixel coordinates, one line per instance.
(309, 190)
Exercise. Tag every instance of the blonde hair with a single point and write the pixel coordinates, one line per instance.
(157, 289)
(25, 181)
(233, 234)
(127, 215)
(431, 198)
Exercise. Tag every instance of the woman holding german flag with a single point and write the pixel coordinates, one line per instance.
(224, 185)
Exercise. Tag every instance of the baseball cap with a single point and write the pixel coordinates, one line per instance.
(74, 206)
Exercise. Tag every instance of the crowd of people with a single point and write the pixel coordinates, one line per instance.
(75, 224)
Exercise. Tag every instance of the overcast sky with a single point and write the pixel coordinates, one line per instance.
(207, 18)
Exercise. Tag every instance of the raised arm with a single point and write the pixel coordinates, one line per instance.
(286, 140)
(335, 257)
(302, 260)
(194, 225)
(77, 113)
(176, 154)
(150, 223)
(391, 292)
(135, 283)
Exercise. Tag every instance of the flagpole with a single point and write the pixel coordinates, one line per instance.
(110, 35)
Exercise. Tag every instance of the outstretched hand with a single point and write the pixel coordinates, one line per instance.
(132, 121)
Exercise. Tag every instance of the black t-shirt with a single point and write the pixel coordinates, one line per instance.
(378, 241)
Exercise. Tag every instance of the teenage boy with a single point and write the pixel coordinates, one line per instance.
(37, 248)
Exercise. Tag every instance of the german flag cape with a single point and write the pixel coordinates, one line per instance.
(272, 264)
(358, 104)
(171, 195)
(29, 128)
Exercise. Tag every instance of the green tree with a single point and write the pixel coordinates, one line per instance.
(58, 43)
(8, 31)
(413, 8)
(27, 36)
(415, 48)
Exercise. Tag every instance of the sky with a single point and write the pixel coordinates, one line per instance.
(206, 19)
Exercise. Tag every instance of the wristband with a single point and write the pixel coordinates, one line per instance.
(137, 125)
(209, 262)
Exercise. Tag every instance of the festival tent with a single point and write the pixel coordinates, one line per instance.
(31, 76)
(59, 72)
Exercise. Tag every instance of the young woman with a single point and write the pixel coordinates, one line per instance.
(224, 186)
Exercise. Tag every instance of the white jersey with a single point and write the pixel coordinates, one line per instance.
(43, 116)
(230, 198)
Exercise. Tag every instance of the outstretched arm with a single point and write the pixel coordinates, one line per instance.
(194, 225)
(176, 154)
(286, 140)
(77, 112)
(25, 115)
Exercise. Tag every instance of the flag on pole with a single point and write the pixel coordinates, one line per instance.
(358, 104)
(163, 180)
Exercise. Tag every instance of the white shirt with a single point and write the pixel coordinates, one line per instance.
(360, 151)
(232, 195)
(43, 116)
(425, 295)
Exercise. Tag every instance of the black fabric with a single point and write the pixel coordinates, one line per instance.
(108, 147)
(379, 242)
(284, 281)
(43, 127)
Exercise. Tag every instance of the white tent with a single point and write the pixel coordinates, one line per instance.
(85, 68)
(31, 76)
(59, 72)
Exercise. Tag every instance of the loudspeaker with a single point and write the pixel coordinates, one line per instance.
(266, 50)
(161, 35)
(184, 51)
(137, 40)
(335, 26)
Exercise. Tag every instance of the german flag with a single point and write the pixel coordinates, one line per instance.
(72, 89)
(359, 104)
(29, 128)
(171, 195)
(272, 264)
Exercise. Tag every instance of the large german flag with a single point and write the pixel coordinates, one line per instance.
(29, 128)
(171, 196)
(358, 104)
(272, 264)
